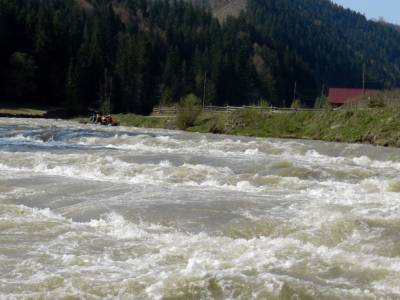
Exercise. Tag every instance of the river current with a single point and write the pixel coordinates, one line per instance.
(92, 212)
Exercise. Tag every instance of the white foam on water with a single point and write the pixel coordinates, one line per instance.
(166, 144)
(195, 268)
(94, 167)
(22, 138)
(251, 152)
(118, 227)
(20, 213)
(111, 168)
(319, 225)
(176, 262)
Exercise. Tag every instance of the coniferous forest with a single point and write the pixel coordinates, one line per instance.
(140, 53)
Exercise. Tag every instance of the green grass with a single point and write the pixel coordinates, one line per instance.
(373, 126)
(143, 121)
(389, 98)
(22, 111)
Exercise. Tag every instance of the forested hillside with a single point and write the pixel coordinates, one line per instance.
(138, 53)
(332, 41)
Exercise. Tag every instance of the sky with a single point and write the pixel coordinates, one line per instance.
(373, 9)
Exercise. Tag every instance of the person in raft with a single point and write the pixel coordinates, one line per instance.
(101, 119)
(93, 116)
(107, 120)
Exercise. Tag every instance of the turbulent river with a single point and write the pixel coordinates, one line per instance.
(98, 212)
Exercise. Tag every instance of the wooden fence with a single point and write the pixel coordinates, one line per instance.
(173, 109)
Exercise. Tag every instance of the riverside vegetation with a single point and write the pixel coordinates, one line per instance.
(373, 126)
(76, 54)
(378, 125)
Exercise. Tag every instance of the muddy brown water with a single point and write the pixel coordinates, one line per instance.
(95, 212)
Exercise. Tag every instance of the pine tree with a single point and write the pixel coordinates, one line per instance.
(72, 102)
(21, 80)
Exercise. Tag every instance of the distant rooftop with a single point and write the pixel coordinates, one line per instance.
(339, 96)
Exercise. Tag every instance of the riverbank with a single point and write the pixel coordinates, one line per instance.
(35, 112)
(18, 112)
(378, 126)
(368, 126)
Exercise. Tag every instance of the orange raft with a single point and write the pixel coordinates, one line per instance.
(106, 120)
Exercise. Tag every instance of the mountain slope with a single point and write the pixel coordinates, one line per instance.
(335, 42)
(332, 40)
(68, 52)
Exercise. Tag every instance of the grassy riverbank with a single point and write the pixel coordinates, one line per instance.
(378, 126)
(373, 126)
(22, 112)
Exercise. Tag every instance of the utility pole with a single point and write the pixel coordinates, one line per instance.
(323, 96)
(295, 91)
(204, 89)
(363, 79)
(108, 82)
(110, 95)
(106, 93)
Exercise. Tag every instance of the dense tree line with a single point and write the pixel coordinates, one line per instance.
(335, 43)
(134, 54)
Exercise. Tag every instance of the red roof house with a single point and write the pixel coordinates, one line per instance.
(340, 96)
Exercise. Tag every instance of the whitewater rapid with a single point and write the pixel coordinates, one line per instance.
(94, 212)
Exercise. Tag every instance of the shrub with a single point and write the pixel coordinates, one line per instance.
(166, 96)
(296, 104)
(376, 101)
(250, 118)
(263, 103)
(22, 76)
(321, 102)
(189, 109)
